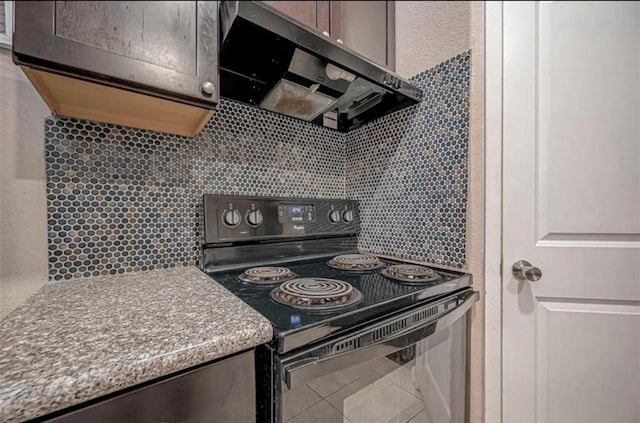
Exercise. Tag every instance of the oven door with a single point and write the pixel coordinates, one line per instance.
(410, 367)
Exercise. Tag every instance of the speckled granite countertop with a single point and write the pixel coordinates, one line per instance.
(77, 340)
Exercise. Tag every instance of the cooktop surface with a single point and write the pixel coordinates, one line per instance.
(372, 295)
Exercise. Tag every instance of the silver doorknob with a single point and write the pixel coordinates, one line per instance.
(339, 41)
(326, 33)
(524, 271)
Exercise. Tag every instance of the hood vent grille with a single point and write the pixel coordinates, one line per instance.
(291, 99)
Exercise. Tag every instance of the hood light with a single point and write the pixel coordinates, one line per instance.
(335, 73)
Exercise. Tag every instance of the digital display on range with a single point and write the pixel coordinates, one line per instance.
(296, 213)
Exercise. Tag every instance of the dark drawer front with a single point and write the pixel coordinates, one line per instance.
(220, 392)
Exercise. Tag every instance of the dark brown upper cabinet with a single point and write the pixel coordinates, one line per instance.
(366, 27)
(151, 65)
(314, 14)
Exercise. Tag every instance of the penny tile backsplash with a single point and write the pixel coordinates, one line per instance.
(123, 200)
(409, 171)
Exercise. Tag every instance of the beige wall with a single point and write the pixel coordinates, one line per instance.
(475, 240)
(428, 33)
(23, 214)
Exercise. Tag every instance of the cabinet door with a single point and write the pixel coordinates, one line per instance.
(166, 49)
(366, 27)
(314, 14)
(224, 392)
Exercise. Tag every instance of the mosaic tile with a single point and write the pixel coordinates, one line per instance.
(123, 200)
(409, 172)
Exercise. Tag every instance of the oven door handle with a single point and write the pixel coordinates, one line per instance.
(300, 372)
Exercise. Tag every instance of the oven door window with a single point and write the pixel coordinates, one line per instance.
(422, 383)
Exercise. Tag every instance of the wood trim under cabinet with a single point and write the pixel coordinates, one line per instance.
(77, 98)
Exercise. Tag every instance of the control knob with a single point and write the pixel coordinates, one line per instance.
(334, 216)
(347, 216)
(231, 218)
(254, 217)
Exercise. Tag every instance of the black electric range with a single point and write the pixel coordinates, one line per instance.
(334, 310)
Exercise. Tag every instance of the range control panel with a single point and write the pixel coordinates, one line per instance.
(236, 218)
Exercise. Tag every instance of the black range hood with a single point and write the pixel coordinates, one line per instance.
(272, 62)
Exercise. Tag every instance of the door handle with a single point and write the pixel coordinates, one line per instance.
(522, 270)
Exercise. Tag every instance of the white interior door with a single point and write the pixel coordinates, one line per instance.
(571, 207)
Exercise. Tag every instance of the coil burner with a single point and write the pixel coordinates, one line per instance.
(358, 262)
(267, 275)
(316, 294)
(411, 273)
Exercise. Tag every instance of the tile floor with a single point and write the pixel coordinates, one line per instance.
(378, 392)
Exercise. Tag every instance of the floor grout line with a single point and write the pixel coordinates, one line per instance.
(416, 415)
(306, 408)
